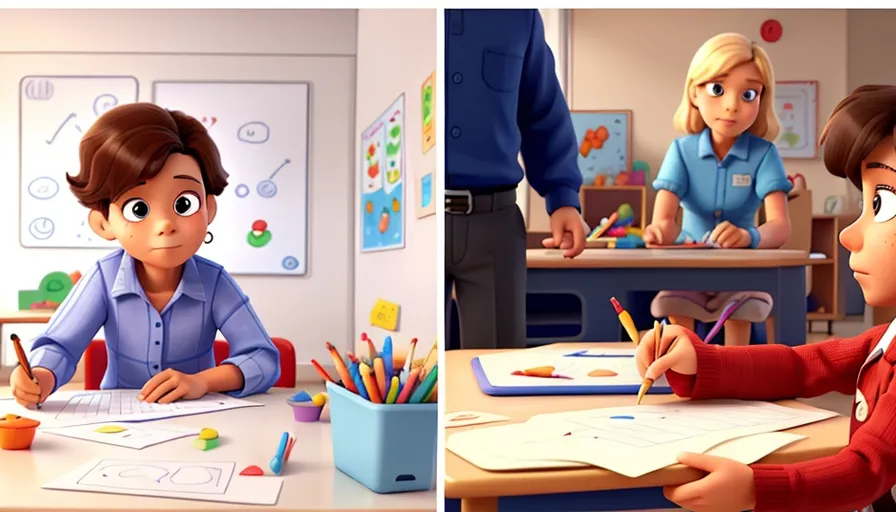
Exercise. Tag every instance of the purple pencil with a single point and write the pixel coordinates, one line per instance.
(726, 313)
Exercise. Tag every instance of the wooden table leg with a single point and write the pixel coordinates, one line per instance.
(479, 505)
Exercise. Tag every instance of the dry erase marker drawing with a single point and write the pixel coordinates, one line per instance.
(190, 477)
(103, 103)
(267, 188)
(254, 132)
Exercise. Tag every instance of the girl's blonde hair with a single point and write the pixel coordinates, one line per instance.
(718, 56)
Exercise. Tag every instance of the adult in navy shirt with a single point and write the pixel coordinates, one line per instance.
(502, 99)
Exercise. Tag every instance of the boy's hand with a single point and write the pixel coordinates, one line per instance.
(681, 358)
(728, 486)
(171, 385)
(26, 391)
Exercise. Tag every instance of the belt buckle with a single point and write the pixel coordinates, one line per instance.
(459, 194)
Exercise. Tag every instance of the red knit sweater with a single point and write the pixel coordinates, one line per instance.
(857, 475)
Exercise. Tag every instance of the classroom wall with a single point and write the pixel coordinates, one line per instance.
(318, 45)
(405, 276)
(637, 60)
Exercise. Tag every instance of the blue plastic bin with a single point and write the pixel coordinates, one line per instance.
(387, 448)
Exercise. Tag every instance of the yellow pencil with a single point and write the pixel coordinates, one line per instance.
(393, 391)
(425, 361)
(411, 350)
(657, 353)
(369, 384)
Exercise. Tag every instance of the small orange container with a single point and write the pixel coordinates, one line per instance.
(16, 432)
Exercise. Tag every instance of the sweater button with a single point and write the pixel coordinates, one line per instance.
(861, 407)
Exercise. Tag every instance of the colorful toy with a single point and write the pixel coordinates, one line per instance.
(207, 440)
(307, 408)
(16, 432)
(53, 289)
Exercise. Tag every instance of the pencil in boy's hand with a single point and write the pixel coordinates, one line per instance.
(372, 391)
(341, 368)
(23, 360)
(657, 338)
(320, 371)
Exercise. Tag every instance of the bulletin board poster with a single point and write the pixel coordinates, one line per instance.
(382, 181)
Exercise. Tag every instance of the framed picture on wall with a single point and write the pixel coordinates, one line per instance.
(605, 144)
(796, 104)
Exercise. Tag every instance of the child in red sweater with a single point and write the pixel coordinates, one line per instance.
(858, 145)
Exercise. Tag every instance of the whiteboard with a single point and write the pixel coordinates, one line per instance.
(261, 130)
(54, 111)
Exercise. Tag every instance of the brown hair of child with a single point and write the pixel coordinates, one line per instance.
(129, 144)
(856, 126)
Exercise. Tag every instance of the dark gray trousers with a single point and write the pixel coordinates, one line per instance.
(485, 263)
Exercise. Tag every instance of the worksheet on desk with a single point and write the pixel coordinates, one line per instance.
(636, 440)
(67, 408)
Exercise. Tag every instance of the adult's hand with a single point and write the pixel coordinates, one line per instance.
(567, 232)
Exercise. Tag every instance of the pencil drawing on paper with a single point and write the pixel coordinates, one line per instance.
(160, 476)
(644, 427)
(124, 403)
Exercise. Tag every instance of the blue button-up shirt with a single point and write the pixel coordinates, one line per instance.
(502, 98)
(713, 191)
(141, 341)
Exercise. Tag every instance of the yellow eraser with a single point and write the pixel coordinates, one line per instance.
(319, 399)
(205, 444)
(208, 434)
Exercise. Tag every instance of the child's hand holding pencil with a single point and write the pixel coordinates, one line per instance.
(674, 350)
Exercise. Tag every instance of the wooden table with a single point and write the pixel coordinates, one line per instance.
(480, 490)
(248, 436)
(598, 274)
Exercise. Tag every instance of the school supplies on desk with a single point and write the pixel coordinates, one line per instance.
(282, 455)
(23, 360)
(341, 368)
(591, 372)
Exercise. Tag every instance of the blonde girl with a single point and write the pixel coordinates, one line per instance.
(720, 173)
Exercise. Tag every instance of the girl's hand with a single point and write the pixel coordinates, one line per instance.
(171, 385)
(727, 487)
(729, 236)
(680, 358)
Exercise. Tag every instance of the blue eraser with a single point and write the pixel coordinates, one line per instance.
(301, 396)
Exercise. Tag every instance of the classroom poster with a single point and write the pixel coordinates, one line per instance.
(382, 181)
(428, 108)
(425, 195)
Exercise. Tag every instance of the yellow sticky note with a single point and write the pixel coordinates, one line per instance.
(110, 429)
(385, 315)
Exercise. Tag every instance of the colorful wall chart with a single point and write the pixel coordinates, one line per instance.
(425, 204)
(428, 109)
(382, 181)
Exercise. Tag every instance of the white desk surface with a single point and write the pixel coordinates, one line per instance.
(248, 436)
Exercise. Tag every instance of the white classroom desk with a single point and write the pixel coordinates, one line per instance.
(248, 436)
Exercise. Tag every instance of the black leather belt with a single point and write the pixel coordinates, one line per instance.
(466, 202)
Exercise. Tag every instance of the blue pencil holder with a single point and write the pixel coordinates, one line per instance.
(388, 448)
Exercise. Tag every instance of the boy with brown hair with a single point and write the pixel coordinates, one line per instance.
(859, 145)
(150, 177)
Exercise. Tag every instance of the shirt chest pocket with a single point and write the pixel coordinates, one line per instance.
(501, 72)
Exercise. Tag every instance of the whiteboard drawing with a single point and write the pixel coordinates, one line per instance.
(796, 104)
(54, 113)
(189, 477)
(261, 130)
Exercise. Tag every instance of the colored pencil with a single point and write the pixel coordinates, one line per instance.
(23, 360)
(379, 372)
(371, 348)
(425, 386)
(657, 353)
(386, 354)
(323, 373)
(393, 391)
(341, 368)
(370, 384)
(434, 395)
(411, 350)
(359, 383)
(432, 392)
(408, 386)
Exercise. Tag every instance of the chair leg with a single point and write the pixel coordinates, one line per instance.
(770, 330)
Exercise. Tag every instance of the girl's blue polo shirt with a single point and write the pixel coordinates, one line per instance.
(713, 191)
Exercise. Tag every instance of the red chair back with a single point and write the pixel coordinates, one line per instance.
(95, 360)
